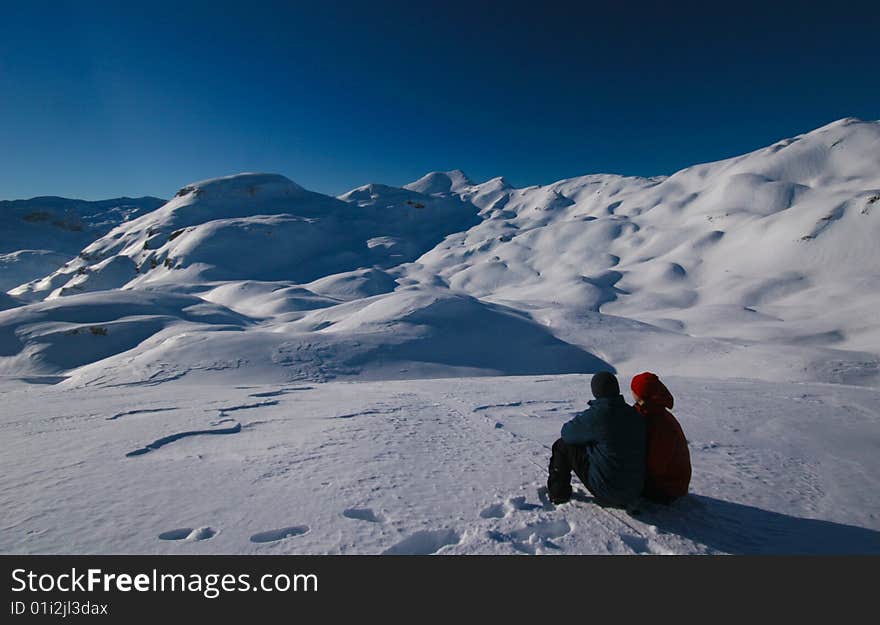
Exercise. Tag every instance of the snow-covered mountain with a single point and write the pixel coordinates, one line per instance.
(778, 244)
(40, 234)
(258, 227)
(768, 259)
(383, 371)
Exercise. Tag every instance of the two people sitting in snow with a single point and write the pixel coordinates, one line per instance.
(621, 452)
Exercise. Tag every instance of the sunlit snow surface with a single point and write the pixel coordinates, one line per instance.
(255, 367)
(433, 466)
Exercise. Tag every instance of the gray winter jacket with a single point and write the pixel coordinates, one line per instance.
(616, 439)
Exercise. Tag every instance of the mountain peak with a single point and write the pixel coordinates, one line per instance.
(440, 182)
(243, 184)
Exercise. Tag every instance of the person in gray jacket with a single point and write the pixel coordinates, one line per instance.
(606, 447)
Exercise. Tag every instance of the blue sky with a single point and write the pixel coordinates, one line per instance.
(105, 99)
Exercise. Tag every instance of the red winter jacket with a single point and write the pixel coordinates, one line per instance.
(669, 461)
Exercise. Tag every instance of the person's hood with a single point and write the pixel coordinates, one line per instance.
(651, 390)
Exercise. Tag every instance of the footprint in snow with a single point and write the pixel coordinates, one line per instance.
(520, 503)
(501, 510)
(544, 498)
(272, 536)
(423, 543)
(362, 514)
(643, 545)
(576, 495)
(495, 511)
(534, 536)
(189, 534)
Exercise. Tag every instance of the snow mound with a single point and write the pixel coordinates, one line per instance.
(259, 227)
(402, 335)
(354, 285)
(265, 300)
(440, 182)
(61, 335)
(434, 333)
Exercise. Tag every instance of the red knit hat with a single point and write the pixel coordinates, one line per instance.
(651, 390)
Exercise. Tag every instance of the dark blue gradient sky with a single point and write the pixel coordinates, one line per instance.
(104, 99)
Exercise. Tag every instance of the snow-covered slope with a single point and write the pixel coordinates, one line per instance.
(764, 263)
(39, 235)
(779, 244)
(768, 259)
(258, 227)
(419, 467)
(276, 347)
(49, 337)
(442, 183)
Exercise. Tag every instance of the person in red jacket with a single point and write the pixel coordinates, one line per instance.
(669, 462)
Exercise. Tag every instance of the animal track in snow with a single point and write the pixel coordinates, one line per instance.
(362, 514)
(272, 536)
(189, 534)
(423, 543)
